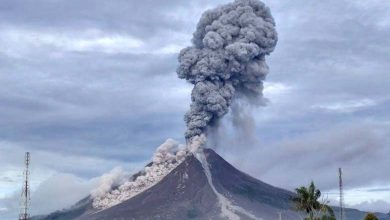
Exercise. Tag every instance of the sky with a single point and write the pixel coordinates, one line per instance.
(87, 86)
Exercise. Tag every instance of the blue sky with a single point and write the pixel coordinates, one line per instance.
(90, 85)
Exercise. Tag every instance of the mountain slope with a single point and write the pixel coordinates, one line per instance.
(186, 194)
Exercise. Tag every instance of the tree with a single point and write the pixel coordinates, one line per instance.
(329, 213)
(307, 200)
(370, 216)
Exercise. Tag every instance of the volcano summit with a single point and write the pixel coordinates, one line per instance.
(226, 65)
(186, 193)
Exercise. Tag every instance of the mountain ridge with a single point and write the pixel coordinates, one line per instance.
(186, 194)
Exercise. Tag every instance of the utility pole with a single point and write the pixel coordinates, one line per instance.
(25, 196)
(342, 217)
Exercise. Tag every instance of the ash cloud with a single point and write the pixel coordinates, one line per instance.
(110, 180)
(111, 191)
(226, 61)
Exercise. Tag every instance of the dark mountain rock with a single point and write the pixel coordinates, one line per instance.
(186, 194)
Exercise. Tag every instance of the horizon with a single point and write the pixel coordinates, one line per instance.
(88, 89)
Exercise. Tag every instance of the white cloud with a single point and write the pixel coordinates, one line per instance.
(273, 90)
(377, 205)
(108, 44)
(374, 198)
(21, 42)
(346, 106)
(45, 168)
(45, 198)
(169, 49)
(68, 187)
(9, 179)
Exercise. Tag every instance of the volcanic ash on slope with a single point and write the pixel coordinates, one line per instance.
(167, 157)
(228, 210)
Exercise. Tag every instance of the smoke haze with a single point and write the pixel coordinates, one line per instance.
(226, 62)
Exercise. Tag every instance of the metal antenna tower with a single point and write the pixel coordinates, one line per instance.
(25, 196)
(342, 217)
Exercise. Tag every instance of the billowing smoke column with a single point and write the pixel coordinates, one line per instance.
(226, 61)
(227, 65)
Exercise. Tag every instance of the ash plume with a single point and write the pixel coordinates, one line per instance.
(115, 177)
(226, 61)
(117, 187)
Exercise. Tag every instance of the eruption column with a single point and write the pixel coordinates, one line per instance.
(226, 61)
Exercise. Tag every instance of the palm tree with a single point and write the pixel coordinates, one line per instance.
(307, 200)
(329, 210)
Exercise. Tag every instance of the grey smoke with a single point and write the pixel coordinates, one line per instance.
(243, 121)
(226, 61)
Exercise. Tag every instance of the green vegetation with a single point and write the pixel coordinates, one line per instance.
(371, 216)
(307, 200)
(192, 213)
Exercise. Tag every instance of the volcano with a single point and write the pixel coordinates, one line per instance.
(186, 193)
